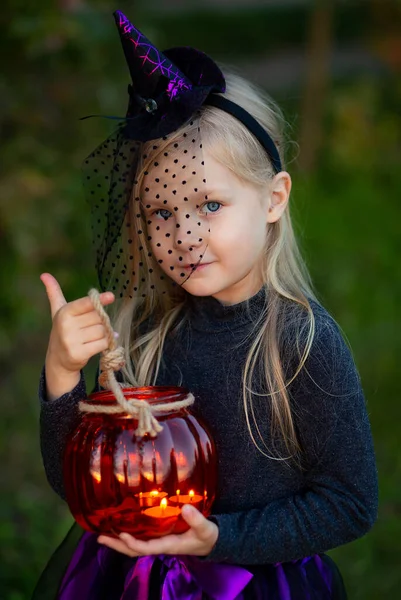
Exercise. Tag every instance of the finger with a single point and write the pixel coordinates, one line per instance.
(116, 544)
(54, 293)
(85, 304)
(77, 307)
(200, 526)
(169, 544)
(88, 319)
(92, 334)
(93, 348)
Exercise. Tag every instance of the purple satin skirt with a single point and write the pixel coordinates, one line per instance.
(83, 569)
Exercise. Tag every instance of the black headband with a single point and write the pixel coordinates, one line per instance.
(242, 115)
(250, 123)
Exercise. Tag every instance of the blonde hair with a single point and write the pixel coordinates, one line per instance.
(285, 275)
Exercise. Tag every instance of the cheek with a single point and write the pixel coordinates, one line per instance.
(164, 254)
(239, 236)
(161, 235)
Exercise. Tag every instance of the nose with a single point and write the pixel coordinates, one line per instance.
(191, 232)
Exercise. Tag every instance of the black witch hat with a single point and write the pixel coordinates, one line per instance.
(167, 87)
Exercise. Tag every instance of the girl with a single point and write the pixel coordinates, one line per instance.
(196, 242)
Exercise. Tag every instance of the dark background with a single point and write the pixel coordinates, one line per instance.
(335, 67)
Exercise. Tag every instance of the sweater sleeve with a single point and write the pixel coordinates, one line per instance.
(339, 500)
(58, 418)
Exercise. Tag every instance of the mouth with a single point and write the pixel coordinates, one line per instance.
(193, 267)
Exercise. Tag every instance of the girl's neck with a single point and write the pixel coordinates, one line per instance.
(242, 291)
(207, 313)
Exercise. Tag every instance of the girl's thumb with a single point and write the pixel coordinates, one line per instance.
(54, 293)
(192, 516)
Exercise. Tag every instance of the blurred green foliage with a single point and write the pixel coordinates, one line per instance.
(61, 61)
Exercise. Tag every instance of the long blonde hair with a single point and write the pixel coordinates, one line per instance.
(285, 275)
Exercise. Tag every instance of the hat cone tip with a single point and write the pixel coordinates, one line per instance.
(122, 21)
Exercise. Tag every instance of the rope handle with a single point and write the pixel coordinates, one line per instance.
(112, 360)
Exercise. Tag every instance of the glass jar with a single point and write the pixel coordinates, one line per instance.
(118, 482)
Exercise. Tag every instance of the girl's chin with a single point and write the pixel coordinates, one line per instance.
(198, 287)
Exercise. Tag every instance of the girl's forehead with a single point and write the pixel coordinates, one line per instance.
(175, 168)
(186, 172)
(178, 173)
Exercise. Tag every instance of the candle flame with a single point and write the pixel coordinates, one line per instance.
(154, 493)
(177, 492)
(163, 503)
(96, 475)
(191, 493)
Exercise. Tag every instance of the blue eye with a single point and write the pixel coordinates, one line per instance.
(163, 213)
(212, 206)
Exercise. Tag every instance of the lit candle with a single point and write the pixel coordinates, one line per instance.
(190, 498)
(163, 511)
(150, 498)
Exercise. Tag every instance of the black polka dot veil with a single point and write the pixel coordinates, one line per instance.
(149, 210)
(146, 183)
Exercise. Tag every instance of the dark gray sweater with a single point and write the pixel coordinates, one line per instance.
(266, 511)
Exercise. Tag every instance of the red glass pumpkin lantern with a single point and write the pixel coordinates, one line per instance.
(117, 481)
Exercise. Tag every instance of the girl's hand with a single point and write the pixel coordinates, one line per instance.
(77, 333)
(197, 541)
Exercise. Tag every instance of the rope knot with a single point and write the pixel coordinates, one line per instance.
(147, 422)
(113, 359)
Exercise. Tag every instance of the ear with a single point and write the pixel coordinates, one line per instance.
(280, 189)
